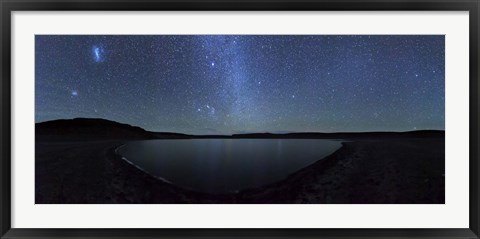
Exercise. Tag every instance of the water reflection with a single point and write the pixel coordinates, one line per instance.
(226, 165)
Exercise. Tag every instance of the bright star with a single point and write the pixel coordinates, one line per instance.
(213, 63)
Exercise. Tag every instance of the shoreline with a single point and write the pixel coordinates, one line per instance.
(138, 167)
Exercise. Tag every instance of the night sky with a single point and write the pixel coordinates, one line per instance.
(225, 84)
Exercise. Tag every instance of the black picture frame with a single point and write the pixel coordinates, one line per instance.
(8, 6)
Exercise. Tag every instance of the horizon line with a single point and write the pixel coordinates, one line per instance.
(244, 133)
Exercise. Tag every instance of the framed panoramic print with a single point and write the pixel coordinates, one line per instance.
(229, 119)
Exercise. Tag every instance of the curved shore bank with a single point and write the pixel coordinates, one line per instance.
(407, 170)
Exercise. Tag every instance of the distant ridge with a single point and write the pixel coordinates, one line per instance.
(307, 135)
(96, 128)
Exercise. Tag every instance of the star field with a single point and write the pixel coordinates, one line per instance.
(225, 84)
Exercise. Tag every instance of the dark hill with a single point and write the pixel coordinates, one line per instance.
(83, 128)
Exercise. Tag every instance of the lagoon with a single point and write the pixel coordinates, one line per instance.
(225, 165)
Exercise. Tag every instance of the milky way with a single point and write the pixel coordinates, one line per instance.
(224, 84)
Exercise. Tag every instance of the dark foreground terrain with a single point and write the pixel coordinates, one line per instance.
(76, 163)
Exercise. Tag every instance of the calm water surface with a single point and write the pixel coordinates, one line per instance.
(225, 165)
